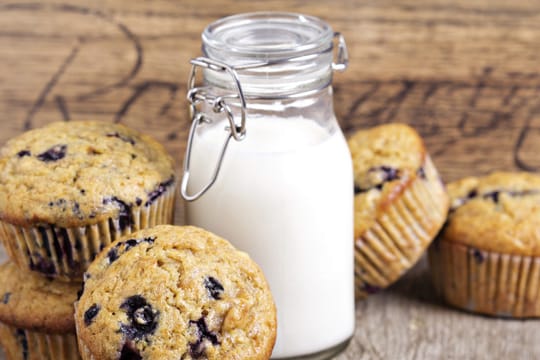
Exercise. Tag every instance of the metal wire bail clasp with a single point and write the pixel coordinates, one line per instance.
(342, 53)
(197, 95)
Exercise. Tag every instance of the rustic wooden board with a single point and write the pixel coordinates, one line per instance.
(465, 73)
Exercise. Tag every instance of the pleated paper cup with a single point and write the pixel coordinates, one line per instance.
(401, 233)
(486, 282)
(22, 344)
(65, 253)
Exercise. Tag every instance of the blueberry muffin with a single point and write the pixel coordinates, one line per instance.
(487, 258)
(36, 316)
(70, 188)
(175, 293)
(400, 204)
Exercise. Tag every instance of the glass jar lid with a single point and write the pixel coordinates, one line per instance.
(243, 38)
(275, 54)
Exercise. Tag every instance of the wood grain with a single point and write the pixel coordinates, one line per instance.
(466, 74)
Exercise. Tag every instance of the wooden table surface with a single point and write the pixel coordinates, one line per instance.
(465, 74)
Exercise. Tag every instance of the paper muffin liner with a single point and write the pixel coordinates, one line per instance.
(22, 344)
(65, 253)
(486, 282)
(399, 236)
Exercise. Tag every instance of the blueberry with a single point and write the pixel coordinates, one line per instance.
(421, 173)
(112, 255)
(142, 317)
(76, 208)
(198, 348)
(43, 266)
(24, 153)
(55, 153)
(90, 314)
(130, 243)
(158, 191)
(493, 195)
(115, 253)
(478, 256)
(124, 138)
(357, 190)
(129, 352)
(472, 194)
(6, 297)
(214, 287)
(389, 173)
(124, 214)
(370, 289)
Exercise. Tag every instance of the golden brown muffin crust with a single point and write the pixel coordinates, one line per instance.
(499, 212)
(175, 293)
(386, 159)
(35, 302)
(79, 172)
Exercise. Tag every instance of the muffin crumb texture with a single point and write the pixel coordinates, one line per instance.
(33, 302)
(400, 204)
(499, 212)
(80, 172)
(175, 293)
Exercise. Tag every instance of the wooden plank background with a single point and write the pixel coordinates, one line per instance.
(465, 74)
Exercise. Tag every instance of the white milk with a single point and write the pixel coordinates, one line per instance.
(285, 196)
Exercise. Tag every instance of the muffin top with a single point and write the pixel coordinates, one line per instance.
(499, 212)
(79, 173)
(386, 159)
(34, 302)
(175, 293)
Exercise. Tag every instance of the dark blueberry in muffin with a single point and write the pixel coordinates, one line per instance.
(115, 252)
(158, 191)
(197, 349)
(125, 218)
(143, 318)
(138, 201)
(370, 289)
(478, 256)
(24, 153)
(5, 298)
(124, 138)
(21, 337)
(388, 173)
(55, 153)
(357, 190)
(129, 352)
(214, 287)
(131, 243)
(112, 255)
(472, 194)
(421, 173)
(91, 313)
(494, 195)
(43, 266)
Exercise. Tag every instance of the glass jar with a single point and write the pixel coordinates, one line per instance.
(268, 168)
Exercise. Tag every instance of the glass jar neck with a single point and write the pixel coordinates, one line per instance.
(273, 54)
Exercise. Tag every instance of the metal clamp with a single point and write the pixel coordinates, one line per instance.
(219, 105)
(342, 54)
